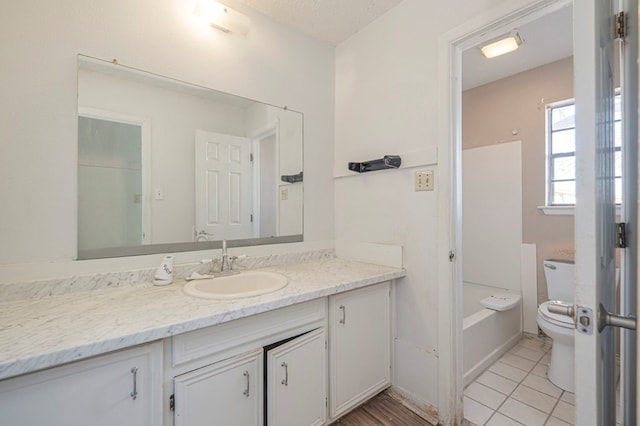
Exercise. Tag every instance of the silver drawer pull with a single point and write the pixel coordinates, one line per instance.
(285, 381)
(134, 394)
(246, 391)
(343, 320)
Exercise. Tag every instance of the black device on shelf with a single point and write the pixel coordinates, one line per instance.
(292, 178)
(387, 162)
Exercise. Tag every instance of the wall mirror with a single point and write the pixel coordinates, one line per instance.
(168, 166)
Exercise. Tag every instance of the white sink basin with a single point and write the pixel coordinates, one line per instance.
(244, 284)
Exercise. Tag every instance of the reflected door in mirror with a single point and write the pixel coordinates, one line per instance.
(110, 198)
(224, 170)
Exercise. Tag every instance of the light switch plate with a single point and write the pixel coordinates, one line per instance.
(158, 194)
(424, 180)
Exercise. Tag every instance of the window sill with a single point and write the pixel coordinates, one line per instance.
(564, 210)
(558, 210)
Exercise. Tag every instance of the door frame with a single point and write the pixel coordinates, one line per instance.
(272, 128)
(449, 238)
(145, 125)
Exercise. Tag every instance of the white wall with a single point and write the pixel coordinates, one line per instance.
(386, 98)
(38, 117)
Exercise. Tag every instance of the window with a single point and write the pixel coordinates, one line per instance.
(561, 153)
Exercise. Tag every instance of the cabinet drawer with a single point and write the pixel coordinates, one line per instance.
(227, 339)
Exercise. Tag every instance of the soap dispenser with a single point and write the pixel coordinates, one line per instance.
(164, 274)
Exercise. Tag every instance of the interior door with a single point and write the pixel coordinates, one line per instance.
(629, 211)
(595, 211)
(223, 186)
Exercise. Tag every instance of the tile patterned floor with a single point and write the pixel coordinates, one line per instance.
(515, 390)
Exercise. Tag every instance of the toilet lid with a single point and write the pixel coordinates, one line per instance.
(558, 319)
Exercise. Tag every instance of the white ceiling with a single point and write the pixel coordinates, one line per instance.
(546, 39)
(328, 20)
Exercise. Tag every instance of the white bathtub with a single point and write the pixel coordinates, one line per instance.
(486, 334)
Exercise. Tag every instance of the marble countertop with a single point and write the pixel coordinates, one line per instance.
(41, 333)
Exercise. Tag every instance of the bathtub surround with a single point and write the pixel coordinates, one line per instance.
(491, 251)
(519, 102)
(492, 215)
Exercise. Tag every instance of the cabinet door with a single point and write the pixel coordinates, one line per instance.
(123, 388)
(225, 393)
(296, 377)
(359, 346)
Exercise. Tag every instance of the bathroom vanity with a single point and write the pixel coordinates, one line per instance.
(144, 355)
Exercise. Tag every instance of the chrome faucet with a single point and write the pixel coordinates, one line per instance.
(224, 267)
(226, 262)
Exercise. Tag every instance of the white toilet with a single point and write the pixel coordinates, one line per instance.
(560, 328)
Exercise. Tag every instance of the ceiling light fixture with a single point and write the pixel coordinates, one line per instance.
(504, 44)
(222, 17)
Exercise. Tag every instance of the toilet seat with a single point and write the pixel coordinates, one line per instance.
(557, 319)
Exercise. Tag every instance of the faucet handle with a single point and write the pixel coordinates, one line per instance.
(233, 259)
(216, 265)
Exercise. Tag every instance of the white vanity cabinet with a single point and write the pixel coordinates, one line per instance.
(217, 374)
(122, 388)
(359, 346)
(297, 381)
(227, 393)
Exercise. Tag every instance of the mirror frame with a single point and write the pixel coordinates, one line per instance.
(140, 250)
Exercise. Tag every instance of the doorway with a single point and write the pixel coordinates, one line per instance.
(453, 45)
(113, 173)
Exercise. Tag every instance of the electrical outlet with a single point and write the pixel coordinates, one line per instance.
(424, 181)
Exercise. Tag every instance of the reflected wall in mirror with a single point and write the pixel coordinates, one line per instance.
(165, 165)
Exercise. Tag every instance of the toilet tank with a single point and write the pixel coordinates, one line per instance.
(559, 277)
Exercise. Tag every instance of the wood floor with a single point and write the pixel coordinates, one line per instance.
(383, 410)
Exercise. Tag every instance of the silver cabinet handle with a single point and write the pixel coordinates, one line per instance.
(134, 372)
(285, 381)
(343, 320)
(246, 391)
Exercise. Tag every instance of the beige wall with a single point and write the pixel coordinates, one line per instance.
(514, 109)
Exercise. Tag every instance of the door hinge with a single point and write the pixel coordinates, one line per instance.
(620, 26)
(251, 157)
(251, 217)
(172, 403)
(452, 255)
(621, 235)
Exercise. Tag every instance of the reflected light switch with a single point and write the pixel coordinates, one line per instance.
(158, 194)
